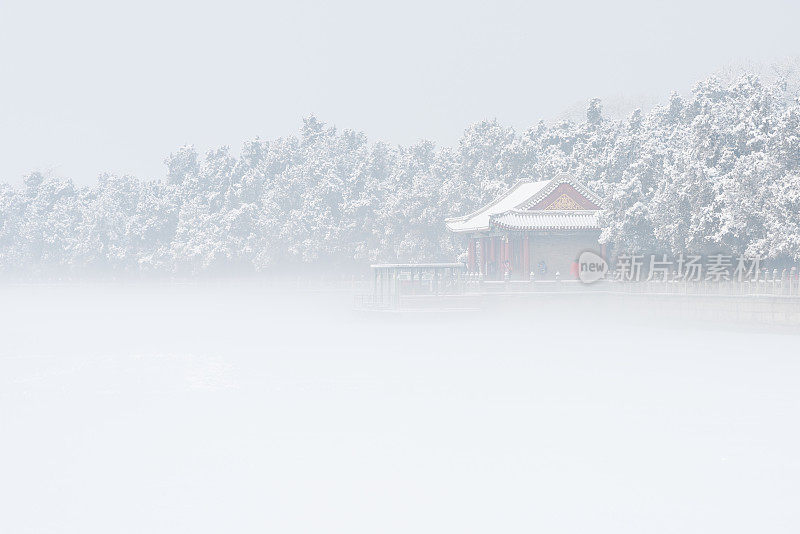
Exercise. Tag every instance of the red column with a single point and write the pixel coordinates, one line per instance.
(501, 250)
(492, 253)
(484, 254)
(508, 254)
(526, 257)
(471, 255)
(501, 256)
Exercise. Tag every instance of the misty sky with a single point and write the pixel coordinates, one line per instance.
(101, 86)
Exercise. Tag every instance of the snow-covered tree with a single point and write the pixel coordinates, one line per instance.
(715, 170)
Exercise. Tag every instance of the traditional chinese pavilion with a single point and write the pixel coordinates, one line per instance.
(537, 228)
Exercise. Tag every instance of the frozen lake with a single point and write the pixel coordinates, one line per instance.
(240, 408)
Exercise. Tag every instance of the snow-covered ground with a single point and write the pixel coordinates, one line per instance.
(242, 408)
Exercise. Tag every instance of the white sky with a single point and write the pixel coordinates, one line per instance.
(89, 86)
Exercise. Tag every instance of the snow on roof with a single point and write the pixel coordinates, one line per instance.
(562, 178)
(518, 195)
(547, 219)
(513, 209)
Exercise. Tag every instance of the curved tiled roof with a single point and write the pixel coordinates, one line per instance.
(547, 220)
(562, 178)
(521, 193)
(512, 210)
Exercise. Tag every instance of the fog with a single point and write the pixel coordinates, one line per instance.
(246, 407)
(92, 87)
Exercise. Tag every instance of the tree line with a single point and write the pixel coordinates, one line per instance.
(716, 170)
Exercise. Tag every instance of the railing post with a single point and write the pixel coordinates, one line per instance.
(783, 281)
(774, 279)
